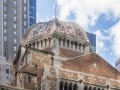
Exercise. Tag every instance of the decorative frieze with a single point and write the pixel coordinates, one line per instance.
(115, 84)
(40, 58)
(70, 75)
(94, 80)
(52, 86)
(51, 78)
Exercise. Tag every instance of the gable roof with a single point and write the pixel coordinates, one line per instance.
(92, 64)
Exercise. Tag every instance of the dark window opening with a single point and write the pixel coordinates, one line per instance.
(5, 54)
(52, 60)
(29, 79)
(90, 88)
(61, 85)
(85, 88)
(70, 86)
(66, 86)
(94, 88)
(83, 47)
(2, 88)
(75, 87)
(98, 88)
(68, 43)
(76, 45)
(36, 67)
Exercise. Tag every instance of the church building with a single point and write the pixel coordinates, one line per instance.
(57, 55)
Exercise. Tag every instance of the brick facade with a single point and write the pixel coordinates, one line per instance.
(86, 64)
(69, 53)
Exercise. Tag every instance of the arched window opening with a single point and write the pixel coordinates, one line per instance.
(61, 85)
(72, 44)
(33, 45)
(2, 88)
(94, 88)
(60, 41)
(83, 47)
(68, 43)
(63, 42)
(90, 88)
(49, 41)
(29, 46)
(70, 86)
(98, 88)
(76, 45)
(66, 86)
(75, 87)
(85, 88)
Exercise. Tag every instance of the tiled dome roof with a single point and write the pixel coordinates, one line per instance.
(43, 29)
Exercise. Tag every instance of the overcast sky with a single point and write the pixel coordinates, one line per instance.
(101, 17)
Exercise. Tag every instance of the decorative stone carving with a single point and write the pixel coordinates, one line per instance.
(80, 81)
(52, 71)
(94, 80)
(46, 28)
(52, 86)
(51, 78)
(70, 75)
(41, 58)
(115, 84)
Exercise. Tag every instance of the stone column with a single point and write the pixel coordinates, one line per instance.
(31, 45)
(81, 84)
(35, 45)
(39, 45)
(108, 84)
(43, 44)
(81, 47)
(66, 43)
(84, 47)
(78, 46)
(69, 44)
(73, 45)
(61, 42)
(55, 45)
(47, 42)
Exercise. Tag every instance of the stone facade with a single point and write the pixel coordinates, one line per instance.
(4, 87)
(50, 57)
(2, 70)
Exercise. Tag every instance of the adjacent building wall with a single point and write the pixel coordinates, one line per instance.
(15, 18)
(92, 39)
(117, 64)
(2, 70)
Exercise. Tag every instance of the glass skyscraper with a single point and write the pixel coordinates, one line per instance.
(92, 39)
(32, 12)
(15, 16)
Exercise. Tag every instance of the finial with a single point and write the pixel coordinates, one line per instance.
(55, 6)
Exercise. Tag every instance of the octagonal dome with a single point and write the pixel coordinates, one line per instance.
(43, 29)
